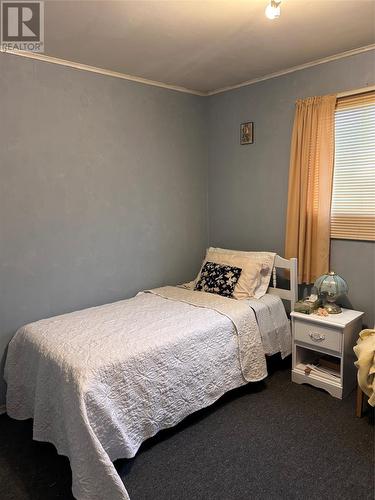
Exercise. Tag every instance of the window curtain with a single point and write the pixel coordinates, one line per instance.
(310, 186)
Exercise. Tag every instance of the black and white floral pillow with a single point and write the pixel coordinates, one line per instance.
(217, 278)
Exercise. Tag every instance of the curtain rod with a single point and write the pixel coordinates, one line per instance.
(356, 91)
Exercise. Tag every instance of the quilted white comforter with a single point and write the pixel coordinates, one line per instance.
(100, 381)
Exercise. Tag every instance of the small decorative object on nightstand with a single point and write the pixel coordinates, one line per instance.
(323, 350)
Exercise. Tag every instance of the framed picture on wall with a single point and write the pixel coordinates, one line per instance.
(247, 133)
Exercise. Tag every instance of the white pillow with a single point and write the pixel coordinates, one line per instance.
(256, 270)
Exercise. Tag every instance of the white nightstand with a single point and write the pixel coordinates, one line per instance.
(333, 335)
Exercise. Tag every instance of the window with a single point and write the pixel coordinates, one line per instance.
(353, 195)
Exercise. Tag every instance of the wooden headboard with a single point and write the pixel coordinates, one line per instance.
(290, 294)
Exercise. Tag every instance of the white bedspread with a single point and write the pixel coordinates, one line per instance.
(273, 324)
(272, 320)
(98, 382)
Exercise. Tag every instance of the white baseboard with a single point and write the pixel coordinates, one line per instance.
(3, 409)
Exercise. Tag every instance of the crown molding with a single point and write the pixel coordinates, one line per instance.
(292, 69)
(177, 88)
(100, 71)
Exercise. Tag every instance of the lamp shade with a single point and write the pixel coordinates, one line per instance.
(330, 287)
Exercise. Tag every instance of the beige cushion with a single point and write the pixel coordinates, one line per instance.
(256, 270)
(365, 351)
(262, 260)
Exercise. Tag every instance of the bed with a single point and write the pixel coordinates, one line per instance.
(100, 381)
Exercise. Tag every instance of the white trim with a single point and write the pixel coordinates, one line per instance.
(115, 74)
(3, 409)
(100, 71)
(294, 68)
(362, 90)
(292, 293)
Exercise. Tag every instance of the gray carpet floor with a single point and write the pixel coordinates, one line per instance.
(272, 440)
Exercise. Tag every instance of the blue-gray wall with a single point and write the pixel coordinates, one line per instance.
(103, 186)
(103, 190)
(248, 184)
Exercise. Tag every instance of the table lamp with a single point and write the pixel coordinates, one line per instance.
(331, 287)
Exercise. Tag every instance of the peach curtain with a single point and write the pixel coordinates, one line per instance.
(310, 186)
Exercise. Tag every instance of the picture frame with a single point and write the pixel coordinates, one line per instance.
(247, 133)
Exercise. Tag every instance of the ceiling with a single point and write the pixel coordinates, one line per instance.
(204, 45)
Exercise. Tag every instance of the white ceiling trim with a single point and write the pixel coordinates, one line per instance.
(145, 81)
(347, 53)
(100, 71)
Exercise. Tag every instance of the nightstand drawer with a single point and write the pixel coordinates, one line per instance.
(316, 335)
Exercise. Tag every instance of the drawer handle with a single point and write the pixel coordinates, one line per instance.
(317, 337)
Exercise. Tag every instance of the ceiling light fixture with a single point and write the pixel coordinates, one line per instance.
(273, 9)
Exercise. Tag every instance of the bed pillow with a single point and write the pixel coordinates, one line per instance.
(250, 275)
(256, 270)
(215, 278)
(264, 262)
